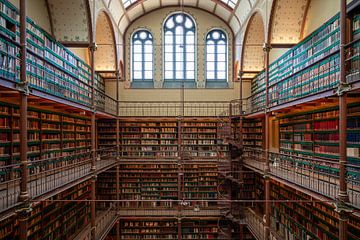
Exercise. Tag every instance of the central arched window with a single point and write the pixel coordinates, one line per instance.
(216, 58)
(179, 50)
(142, 57)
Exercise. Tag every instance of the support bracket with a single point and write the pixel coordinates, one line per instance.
(341, 206)
(23, 87)
(343, 88)
(24, 210)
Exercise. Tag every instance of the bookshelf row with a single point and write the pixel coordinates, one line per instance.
(50, 135)
(52, 219)
(166, 229)
(316, 133)
(306, 220)
(312, 66)
(150, 185)
(51, 67)
(159, 138)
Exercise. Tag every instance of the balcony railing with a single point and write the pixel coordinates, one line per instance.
(47, 175)
(318, 175)
(172, 108)
(257, 225)
(105, 220)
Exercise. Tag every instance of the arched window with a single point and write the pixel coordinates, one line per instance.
(142, 56)
(216, 56)
(179, 50)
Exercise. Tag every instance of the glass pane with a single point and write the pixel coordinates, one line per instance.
(143, 35)
(169, 75)
(137, 57)
(179, 74)
(179, 57)
(179, 18)
(210, 75)
(190, 48)
(221, 75)
(190, 57)
(137, 75)
(137, 47)
(148, 65)
(170, 23)
(190, 75)
(210, 57)
(179, 66)
(148, 75)
(179, 48)
(210, 48)
(148, 57)
(168, 48)
(148, 47)
(188, 23)
(168, 38)
(221, 66)
(221, 48)
(190, 38)
(210, 66)
(168, 66)
(221, 57)
(169, 57)
(137, 66)
(179, 31)
(190, 66)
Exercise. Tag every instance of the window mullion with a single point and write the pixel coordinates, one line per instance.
(143, 60)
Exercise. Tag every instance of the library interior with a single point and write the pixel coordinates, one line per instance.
(179, 119)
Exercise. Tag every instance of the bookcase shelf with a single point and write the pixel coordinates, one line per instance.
(51, 67)
(315, 220)
(311, 67)
(316, 133)
(158, 138)
(149, 229)
(50, 135)
(253, 132)
(52, 219)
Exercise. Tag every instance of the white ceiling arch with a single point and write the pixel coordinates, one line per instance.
(233, 12)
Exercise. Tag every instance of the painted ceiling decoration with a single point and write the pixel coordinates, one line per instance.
(70, 29)
(253, 55)
(288, 20)
(124, 12)
(105, 57)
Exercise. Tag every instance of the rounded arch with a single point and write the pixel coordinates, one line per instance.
(105, 55)
(287, 20)
(252, 57)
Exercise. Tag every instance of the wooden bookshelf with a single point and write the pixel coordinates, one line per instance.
(316, 134)
(312, 66)
(314, 220)
(51, 67)
(50, 135)
(197, 229)
(155, 182)
(253, 132)
(158, 138)
(106, 131)
(52, 219)
(148, 229)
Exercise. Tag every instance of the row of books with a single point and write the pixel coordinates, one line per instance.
(310, 67)
(64, 74)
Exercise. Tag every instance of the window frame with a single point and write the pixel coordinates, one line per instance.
(142, 82)
(217, 82)
(177, 83)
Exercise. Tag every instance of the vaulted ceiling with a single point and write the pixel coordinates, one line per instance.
(234, 12)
